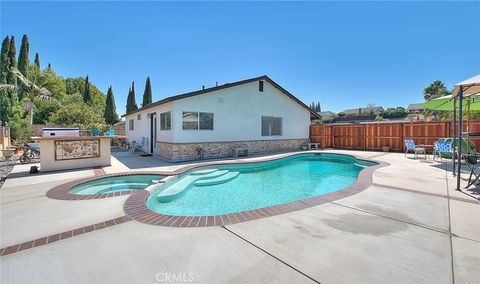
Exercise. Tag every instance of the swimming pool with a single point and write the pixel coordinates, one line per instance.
(235, 188)
(115, 184)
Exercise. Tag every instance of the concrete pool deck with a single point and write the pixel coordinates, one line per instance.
(409, 226)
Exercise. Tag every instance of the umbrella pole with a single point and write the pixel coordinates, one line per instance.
(454, 133)
(460, 140)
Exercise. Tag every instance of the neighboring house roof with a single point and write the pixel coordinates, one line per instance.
(355, 119)
(364, 110)
(225, 86)
(415, 106)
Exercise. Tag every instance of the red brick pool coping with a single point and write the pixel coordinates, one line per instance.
(61, 192)
(61, 236)
(135, 206)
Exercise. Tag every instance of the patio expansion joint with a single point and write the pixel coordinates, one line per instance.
(270, 254)
(452, 262)
(473, 200)
(61, 236)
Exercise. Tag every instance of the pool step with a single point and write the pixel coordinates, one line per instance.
(203, 172)
(177, 187)
(218, 180)
(106, 188)
(359, 165)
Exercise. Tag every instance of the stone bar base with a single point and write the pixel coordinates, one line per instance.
(191, 151)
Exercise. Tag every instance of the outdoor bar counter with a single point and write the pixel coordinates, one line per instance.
(73, 152)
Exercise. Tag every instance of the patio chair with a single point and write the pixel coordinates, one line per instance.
(442, 149)
(410, 145)
(471, 160)
(138, 146)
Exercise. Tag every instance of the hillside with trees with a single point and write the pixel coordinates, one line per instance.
(30, 94)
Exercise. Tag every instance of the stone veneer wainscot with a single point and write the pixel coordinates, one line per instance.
(188, 151)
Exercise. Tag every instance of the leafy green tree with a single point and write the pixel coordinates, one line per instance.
(54, 83)
(392, 112)
(147, 94)
(110, 114)
(37, 61)
(77, 86)
(44, 110)
(20, 130)
(80, 115)
(435, 90)
(131, 103)
(23, 56)
(87, 98)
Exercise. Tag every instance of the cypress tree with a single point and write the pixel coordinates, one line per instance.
(87, 97)
(147, 94)
(37, 61)
(131, 103)
(4, 61)
(110, 113)
(12, 62)
(23, 60)
(5, 103)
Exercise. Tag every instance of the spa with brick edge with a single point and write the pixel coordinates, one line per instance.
(61, 192)
(62, 236)
(135, 206)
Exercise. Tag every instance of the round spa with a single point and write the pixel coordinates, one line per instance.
(233, 188)
(115, 184)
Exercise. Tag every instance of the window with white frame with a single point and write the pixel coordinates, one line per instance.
(192, 120)
(131, 124)
(166, 120)
(272, 126)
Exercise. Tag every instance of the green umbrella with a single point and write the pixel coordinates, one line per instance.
(445, 103)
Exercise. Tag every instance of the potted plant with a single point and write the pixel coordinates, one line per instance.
(95, 129)
(386, 148)
(7, 153)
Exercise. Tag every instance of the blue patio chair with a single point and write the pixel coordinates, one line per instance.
(110, 132)
(442, 147)
(411, 147)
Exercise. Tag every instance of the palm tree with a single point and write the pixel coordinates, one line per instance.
(31, 89)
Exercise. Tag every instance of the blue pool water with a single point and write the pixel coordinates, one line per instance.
(114, 184)
(234, 188)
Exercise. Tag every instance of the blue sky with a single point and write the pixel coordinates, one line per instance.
(344, 54)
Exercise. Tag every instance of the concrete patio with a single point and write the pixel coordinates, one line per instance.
(409, 226)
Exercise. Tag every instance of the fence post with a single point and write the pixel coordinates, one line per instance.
(365, 138)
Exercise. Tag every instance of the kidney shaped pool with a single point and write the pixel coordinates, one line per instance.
(234, 188)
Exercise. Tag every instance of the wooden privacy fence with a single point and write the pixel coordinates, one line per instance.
(373, 136)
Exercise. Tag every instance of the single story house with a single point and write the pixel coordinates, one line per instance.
(416, 108)
(256, 113)
(373, 110)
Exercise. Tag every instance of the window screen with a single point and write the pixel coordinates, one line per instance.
(130, 124)
(271, 126)
(206, 121)
(166, 120)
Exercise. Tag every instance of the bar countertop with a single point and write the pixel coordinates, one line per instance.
(75, 138)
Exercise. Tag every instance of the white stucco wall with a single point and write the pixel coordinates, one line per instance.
(237, 112)
(142, 127)
(239, 116)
